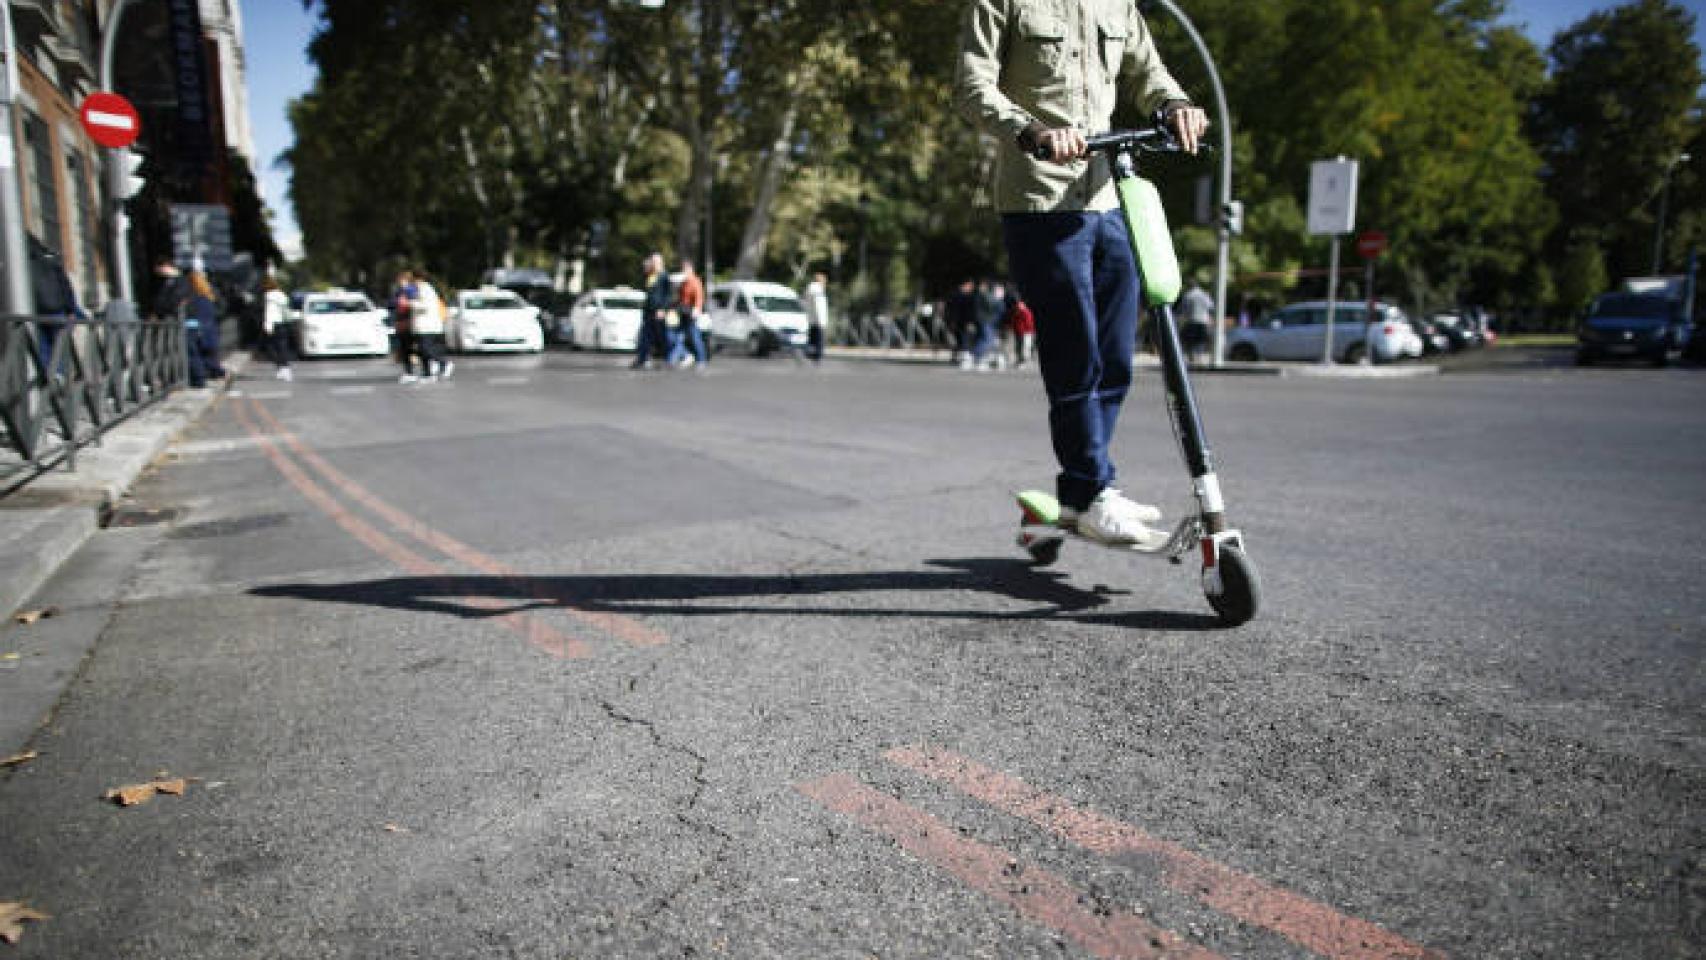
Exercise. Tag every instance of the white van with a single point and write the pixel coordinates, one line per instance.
(758, 317)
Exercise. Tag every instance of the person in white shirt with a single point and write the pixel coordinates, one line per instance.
(817, 315)
(429, 330)
(275, 325)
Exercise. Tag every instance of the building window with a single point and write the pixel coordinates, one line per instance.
(84, 224)
(44, 218)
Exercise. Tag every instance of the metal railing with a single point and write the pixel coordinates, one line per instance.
(908, 331)
(64, 383)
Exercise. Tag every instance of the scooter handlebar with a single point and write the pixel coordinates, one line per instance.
(1156, 139)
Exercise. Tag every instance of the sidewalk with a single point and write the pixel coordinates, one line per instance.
(43, 523)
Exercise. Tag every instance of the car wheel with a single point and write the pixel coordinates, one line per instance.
(1353, 353)
(755, 345)
(1245, 353)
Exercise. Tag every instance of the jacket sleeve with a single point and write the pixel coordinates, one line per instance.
(977, 72)
(1144, 79)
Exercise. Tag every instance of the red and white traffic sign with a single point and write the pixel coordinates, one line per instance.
(1371, 244)
(110, 120)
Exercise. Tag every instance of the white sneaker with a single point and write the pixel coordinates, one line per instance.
(1112, 518)
(686, 362)
(285, 374)
(447, 369)
(408, 378)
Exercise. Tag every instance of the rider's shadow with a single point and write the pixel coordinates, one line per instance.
(1047, 594)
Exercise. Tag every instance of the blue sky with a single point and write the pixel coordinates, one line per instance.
(277, 34)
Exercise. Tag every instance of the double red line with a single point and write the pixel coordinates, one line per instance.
(307, 478)
(1046, 898)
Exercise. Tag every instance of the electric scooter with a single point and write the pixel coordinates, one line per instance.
(1229, 579)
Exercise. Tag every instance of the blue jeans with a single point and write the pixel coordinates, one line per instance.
(1076, 271)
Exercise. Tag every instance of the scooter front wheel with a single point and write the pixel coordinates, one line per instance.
(1240, 593)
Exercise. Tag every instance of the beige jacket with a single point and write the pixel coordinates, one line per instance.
(1059, 63)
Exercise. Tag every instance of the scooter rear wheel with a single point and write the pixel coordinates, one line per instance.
(1240, 589)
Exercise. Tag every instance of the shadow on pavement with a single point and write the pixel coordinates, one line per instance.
(706, 595)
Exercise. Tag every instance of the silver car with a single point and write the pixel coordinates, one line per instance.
(1298, 331)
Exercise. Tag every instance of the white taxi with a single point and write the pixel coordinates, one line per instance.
(340, 323)
(493, 319)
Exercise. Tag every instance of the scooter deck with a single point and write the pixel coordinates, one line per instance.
(1043, 510)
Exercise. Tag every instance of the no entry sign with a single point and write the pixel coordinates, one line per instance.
(110, 120)
(1371, 244)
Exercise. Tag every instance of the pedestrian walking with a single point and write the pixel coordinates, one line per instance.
(55, 301)
(690, 310)
(201, 331)
(1196, 308)
(403, 297)
(817, 316)
(1039, 76)
(960, 312)
(276, 330)
(989, 307)
(171, 290)
(653, 314)
(428, 317)
(1023, 323)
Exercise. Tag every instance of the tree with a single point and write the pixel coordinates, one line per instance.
(1620, 108)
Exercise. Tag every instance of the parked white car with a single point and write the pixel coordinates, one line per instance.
(607, 319)
(340, 323)
(1298, 331)
(758, 317)
(493, 319)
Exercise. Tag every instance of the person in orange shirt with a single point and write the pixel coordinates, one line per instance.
(690, 308)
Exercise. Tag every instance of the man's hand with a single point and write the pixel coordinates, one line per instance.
(1189, 124)
(1061, 144)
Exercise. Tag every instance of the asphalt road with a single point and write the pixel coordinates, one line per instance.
(559, 660)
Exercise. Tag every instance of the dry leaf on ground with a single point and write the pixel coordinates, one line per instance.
(12, 917)
(130, 796)
(19, 759)
(28, 617)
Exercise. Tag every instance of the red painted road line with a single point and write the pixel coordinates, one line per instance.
(621, 627)
(1308, 923)
(538, 634)
(1038, 895)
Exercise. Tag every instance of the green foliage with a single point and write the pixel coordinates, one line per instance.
(458, 135)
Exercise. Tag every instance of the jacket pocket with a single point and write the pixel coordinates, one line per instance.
(1042, 38)
(1115, 36)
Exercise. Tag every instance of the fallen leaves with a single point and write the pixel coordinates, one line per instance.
(28, 617)
(19, 759)
(12, 917)
(139, 793)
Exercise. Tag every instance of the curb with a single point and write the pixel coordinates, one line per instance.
(53, 515)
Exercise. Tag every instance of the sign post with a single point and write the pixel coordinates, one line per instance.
(1370, 245)
(1332, 211)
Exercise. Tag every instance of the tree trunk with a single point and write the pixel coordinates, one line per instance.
(757, 232)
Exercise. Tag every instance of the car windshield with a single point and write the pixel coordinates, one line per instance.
(623, 302)
(771, 304)
(1631, 305)
(342, 305)
(493, 302)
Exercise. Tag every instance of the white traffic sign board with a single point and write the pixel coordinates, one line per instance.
(1333, 196)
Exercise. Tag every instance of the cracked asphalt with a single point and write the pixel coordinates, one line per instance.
(559, 660)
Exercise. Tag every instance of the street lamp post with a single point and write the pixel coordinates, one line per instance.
(19, 300)
(1664, 209)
